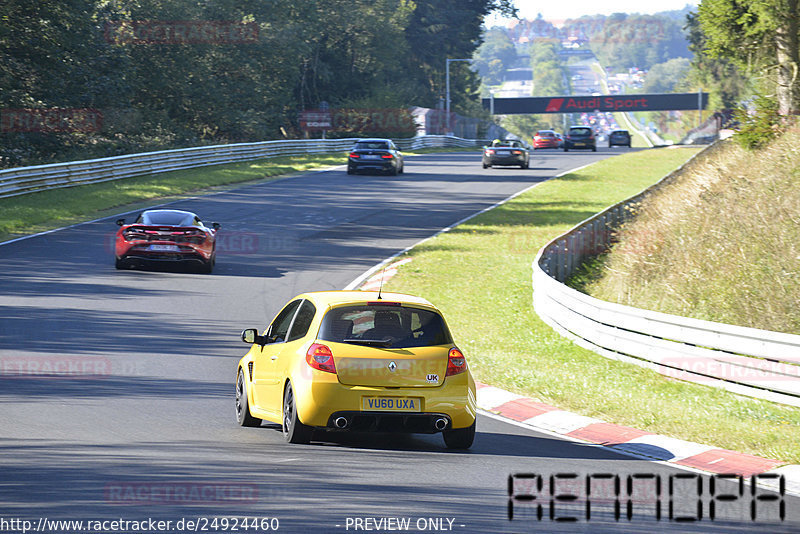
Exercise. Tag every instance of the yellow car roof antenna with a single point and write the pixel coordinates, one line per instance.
(380, 287)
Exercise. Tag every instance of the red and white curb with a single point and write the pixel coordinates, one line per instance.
(381, 277)
(632, 441)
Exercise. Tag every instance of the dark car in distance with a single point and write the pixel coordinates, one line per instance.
(508, 152)
(375, 155)
(619, 137)
(580, 137)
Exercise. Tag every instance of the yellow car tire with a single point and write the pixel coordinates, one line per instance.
(459, 438)
(243, 416)
(293, 429)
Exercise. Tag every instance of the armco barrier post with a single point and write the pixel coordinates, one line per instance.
(597, 227)
(582, 241)
(570, 258)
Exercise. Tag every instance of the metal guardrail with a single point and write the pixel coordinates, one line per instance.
(25, 180)
(748, 361)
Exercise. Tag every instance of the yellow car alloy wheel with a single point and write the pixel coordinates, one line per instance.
(243, 416)
(293, 430)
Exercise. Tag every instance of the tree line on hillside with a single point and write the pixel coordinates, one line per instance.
(164, 73)
(745, 53)
(619, 41)
(641, 41)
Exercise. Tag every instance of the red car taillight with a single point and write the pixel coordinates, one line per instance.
(387, 156)
(456, 362)
(354, 155)
(195, 236)
(517, 152)
(132, 235)
(490, 151)
(320, 357)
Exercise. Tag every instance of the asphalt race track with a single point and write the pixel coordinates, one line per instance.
(144, 426)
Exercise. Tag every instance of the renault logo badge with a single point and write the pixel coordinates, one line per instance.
(392, 366)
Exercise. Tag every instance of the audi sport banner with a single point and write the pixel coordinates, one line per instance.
(580, 104)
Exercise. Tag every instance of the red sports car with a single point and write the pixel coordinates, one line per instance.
(166, 236)
(545, 139)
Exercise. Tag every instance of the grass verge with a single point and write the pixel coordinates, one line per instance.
(720, 242)
(37, 212)
(479, 274)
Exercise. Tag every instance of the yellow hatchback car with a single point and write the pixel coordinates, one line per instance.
(357, 361)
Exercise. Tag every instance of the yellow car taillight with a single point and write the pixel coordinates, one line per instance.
(456, 362)
(320, 357)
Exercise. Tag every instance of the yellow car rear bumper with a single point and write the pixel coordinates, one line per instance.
(319, 399)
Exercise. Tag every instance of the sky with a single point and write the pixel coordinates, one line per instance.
(556, 11)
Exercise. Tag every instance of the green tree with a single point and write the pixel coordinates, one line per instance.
(548, 80)
(548, 76)
(665, 77)
(584, 27)
(639, 41)
(523, 126)
(52, 54)
(758, 35)
(352, 48)
(496, 54)
(717, 75)
(168, 93)
(441, 29)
